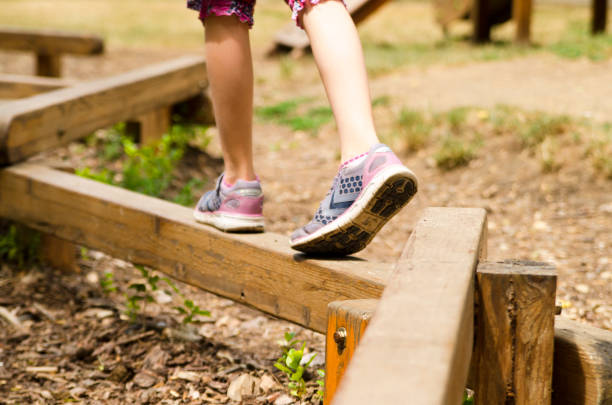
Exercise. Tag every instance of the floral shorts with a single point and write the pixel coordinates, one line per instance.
(243, 9)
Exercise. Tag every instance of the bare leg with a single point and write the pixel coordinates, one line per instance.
(339, 57)
(230, 71)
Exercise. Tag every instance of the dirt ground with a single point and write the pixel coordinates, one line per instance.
(97, 356)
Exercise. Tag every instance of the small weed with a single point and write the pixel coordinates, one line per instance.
(381, 101)
(321, 383)
(454, 153)
(600, 152)
(549, 150)
(19, 245)
(287, 67)
(457, 117)
(414, 129)
(540, 126)
(189, 310)
(107, 283)
(292, 364)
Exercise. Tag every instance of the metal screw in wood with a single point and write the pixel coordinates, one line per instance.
(340, 339)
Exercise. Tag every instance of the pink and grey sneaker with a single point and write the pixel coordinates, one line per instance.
(235, 208)
(367, 191)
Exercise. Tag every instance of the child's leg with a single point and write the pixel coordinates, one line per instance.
(339, 57)
(372, 185)
(230, 72)
(236, 202)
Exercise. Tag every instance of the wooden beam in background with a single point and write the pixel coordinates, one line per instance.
(259, 270)
(41, 122)
(513, 354)
(582, 365)
(50, 42)
(419, 343)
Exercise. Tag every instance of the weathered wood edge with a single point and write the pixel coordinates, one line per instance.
(37, 123)
(421, 334)
(256, 270)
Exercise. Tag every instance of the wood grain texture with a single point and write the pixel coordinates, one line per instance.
(41, 122)
(582, 365)
(512, 361)
(50, 42)
(352, 317)
(419, 343)
(259, 270)
(19, 86)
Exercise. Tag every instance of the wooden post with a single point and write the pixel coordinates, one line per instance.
(480, 21)
(513, 355)
(582, 365)
(347, 321)
(48, 65)
(151, 126)
(59, 253)
(599, 17)
(418, 345)
(522, 10)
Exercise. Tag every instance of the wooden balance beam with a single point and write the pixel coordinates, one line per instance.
(422, 329)
(38, 123)
(49, 46)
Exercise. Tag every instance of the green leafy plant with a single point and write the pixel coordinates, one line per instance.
(189, 310)
(290, 363)
(321, 383)
(107, 283)
(19, 245)
(185, 195)
(414, 129)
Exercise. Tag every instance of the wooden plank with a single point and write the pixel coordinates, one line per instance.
(48, 65)
(419, 342)
(59, 253)
(599, 16)
(19, 86)
(347, 321)
(513, 354)
(522, 10)
(41, 122)
(259, 270)
(582, 364)
(50, 42)
(291, 37)
(480, 21)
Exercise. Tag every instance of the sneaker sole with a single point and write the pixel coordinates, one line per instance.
(386, 194)
(230, 223)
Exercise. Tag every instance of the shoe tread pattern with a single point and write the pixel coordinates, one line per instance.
(389, 199)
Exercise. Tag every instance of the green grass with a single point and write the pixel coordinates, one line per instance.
(297, 114)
